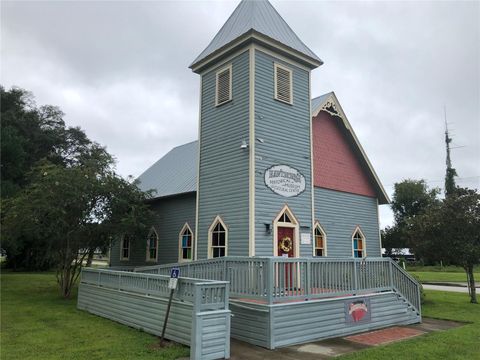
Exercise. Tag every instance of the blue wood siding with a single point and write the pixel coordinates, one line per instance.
(139, 304)
(223, 185)
(339, 213)
(250, 323)
(139, 311)
(297, 323)
(285, 131)
(171, 213)
(273, 326)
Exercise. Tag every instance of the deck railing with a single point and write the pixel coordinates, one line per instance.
(278, 279)
(214, 294)
(200, 307)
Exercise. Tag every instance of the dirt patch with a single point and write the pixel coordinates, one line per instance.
(162, 344)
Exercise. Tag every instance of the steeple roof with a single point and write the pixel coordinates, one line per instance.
(256, 17)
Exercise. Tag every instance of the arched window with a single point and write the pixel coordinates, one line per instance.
(125, 247)
(358, 240)
(185, 252)
(285, 218)
(217, 239)
(320, 241)
(152, 245)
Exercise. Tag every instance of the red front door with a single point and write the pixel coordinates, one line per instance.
(285, 241)
(285, 248)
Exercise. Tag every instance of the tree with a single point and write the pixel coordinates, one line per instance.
(393, 237)
(410, 199)
(450, 231)
(31, 134)
(71, 210)
(61, 197)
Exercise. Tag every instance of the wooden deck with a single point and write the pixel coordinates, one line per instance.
(279, 302)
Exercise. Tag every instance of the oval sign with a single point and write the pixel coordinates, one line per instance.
(285, 180)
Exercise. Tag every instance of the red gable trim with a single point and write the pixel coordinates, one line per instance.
(337, 165)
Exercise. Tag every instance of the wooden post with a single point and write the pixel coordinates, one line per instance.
(355, 286)
(391, 273)
(270, 280)
(308, 279)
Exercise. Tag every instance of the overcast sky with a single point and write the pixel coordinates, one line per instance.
(119, 71)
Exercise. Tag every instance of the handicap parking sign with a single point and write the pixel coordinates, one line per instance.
(174, 273)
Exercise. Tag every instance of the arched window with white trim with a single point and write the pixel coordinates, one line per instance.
(152, 245)
(217, 239)
(185, 251)
(320, 241)
(358, 243)
(125, 247)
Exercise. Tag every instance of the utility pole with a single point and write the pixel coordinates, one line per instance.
(450, 172)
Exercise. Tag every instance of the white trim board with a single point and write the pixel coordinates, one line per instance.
(251, 169)
(257, 38)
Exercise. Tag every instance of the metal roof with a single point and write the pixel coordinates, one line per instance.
(175, 173)
(260, 16)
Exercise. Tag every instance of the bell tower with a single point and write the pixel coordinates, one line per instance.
(255, 152)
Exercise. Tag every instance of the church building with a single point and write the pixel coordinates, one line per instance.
(275, 171)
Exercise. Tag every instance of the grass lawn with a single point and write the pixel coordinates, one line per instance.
(427, 276)
(437, 268)
(459, 343)
(37, 324)
(442, 274)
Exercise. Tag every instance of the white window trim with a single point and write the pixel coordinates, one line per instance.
(148, 259)
(180, 248)
(122, 258)
(293, 224)
(320, 227)
(276, 66)
(218, 72)
(364, 242)
(217, 220)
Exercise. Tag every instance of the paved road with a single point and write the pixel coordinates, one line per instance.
(446, 288)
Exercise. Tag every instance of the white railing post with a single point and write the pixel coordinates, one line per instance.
(355, 278)
(270, 289)
(392, 285)
(308, 284)
(225, 270)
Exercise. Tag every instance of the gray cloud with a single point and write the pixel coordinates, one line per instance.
(119, 70)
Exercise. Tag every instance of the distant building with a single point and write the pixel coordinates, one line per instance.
(275, 172)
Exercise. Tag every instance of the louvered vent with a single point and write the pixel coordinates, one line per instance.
(224, 86)
(283, 84)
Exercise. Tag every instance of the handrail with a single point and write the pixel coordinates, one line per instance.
(410, 293)
(213, 294)
(278, 279)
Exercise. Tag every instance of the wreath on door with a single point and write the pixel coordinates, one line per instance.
(286, 244)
